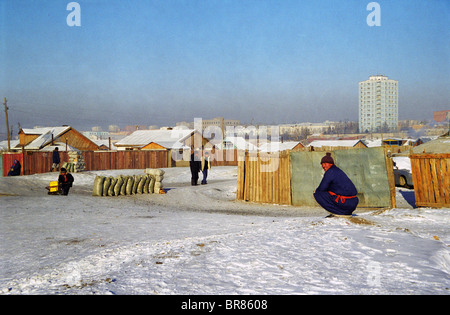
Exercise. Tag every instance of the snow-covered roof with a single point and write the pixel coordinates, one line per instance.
(166, 138)
(4, 144)
(43, 130)
(440, 145)
(278, 146)
(45, 136)
(105, 143)
(241, 143)
(373, 143)
(61, 147)
(333, 143)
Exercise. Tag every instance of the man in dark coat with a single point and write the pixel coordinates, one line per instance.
(336, 192)
(55, 159)
(65, 181)
(195, 165)
(15, 169)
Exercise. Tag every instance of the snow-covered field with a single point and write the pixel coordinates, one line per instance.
(199, 240)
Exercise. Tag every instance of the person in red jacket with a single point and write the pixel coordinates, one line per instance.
(336, 192)
(65, 181)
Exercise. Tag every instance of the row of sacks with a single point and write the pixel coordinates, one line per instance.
(127, 185)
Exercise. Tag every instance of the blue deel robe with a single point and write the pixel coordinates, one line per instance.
(336, 181)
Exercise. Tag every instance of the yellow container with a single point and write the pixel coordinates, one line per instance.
(54, 186)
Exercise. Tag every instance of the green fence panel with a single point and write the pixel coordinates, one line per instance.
(306, 174)
(365, 167)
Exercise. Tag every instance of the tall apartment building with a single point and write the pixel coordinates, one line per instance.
(378, 104)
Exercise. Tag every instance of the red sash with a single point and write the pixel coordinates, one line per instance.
(341, 198)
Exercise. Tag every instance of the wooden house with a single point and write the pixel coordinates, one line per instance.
(393, 142)
(239, 143)
(161, 140)
(38, 139)
(178, 142)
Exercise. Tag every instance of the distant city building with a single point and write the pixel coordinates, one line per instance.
(378, 104)
(220, 122)
(441, 116)
(132, 128)
(96, 135)
(113, 128)
(311, 128)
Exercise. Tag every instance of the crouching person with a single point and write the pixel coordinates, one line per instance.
(65, 181)
(15, 169)
(336, 192)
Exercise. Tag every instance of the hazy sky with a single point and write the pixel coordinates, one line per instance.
(156, 62)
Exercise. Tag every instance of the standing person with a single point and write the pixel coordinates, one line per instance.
(206, 165)
(65, 181)
(55, 159)
(195, 165)
(15, 169)
(336, 192)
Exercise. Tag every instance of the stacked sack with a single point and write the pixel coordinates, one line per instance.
(76, 162)
(77, 159)
(127, 185)
(159, 176)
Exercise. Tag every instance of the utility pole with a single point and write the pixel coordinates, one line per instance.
(7, 125)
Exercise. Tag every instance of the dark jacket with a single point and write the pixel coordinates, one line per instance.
(15, 169)
(65, 180)
(56, 159)
(195, 163)
(335, 180)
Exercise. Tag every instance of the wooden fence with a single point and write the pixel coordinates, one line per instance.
(431, 178)
(264, 178)
(225, 158)
(40, 162)
(117, 160)
(31, 162)
(267, 178)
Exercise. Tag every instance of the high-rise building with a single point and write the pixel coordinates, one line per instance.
(378, 104)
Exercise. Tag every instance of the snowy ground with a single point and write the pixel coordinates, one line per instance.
(199, 240)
